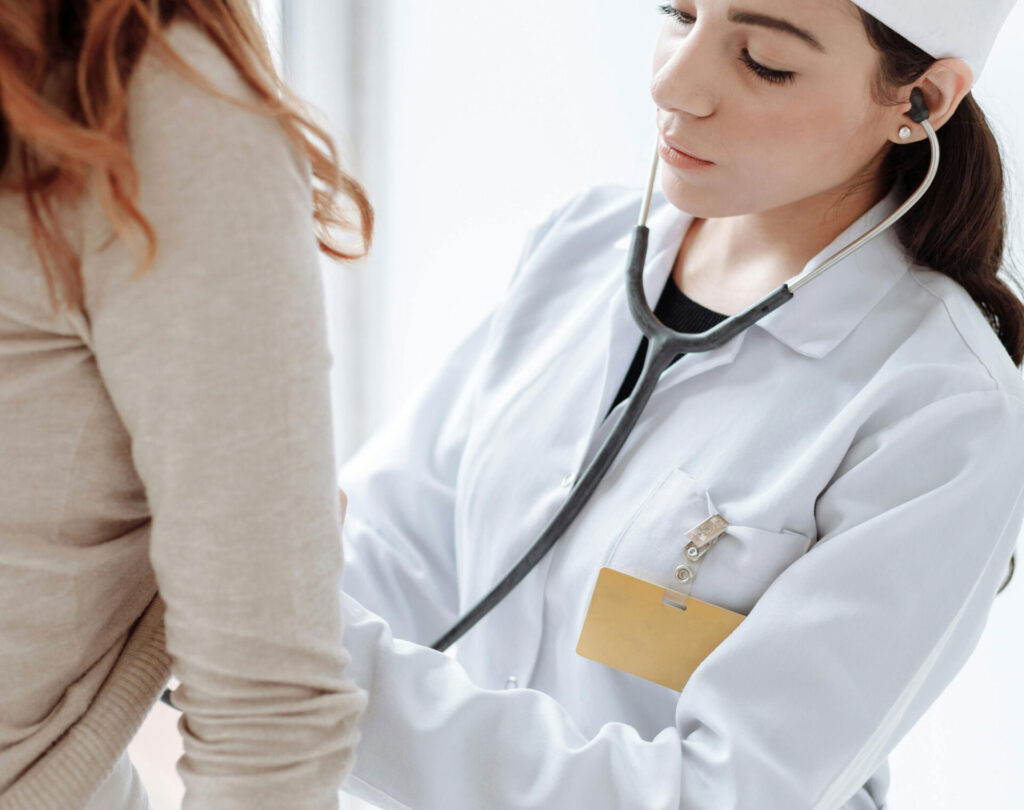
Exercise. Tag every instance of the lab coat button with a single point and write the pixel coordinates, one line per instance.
(568, 481)
(511, 683)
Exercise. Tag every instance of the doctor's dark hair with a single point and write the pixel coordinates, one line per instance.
(958, 227)
(64, 71)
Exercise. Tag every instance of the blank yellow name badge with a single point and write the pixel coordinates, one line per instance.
(643, 629)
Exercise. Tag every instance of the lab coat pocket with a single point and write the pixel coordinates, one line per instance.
(736, 569)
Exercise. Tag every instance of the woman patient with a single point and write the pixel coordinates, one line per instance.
(165, 421)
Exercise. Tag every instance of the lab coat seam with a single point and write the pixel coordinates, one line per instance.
(615, 201)
(640, 510)
(859, 323)
(556, 219)
(534, 238)
(956, 326)
(378, 793)
(889, 721)
(898, 424)
(425, 566)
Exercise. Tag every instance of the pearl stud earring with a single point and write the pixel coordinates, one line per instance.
(905, 133)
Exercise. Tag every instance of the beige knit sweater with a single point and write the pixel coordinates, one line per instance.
(175, 438)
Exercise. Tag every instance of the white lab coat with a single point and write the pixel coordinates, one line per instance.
(865, 443)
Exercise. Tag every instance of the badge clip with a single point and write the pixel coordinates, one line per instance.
(703, 536)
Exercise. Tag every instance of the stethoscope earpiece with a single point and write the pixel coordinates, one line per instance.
(918, 109)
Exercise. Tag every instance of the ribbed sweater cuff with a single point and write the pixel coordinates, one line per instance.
(71, 771)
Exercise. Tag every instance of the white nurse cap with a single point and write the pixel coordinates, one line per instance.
(944, 28)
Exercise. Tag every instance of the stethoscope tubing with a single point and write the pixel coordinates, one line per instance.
(665, 345)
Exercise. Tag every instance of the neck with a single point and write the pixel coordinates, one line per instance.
(734, 261)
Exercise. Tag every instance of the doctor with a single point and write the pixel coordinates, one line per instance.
(864, 444)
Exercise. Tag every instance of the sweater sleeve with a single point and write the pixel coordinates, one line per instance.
(217, 362)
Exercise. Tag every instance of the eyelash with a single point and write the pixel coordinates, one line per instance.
(767, 74)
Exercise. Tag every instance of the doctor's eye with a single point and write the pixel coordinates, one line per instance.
(769, 75)
(681, 16)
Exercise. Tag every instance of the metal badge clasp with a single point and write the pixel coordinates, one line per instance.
(703, 535)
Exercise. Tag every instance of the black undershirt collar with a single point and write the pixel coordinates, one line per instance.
(678, 311)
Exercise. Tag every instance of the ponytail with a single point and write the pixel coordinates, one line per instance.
(958, 227)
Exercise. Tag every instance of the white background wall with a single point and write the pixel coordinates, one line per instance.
(469, 121)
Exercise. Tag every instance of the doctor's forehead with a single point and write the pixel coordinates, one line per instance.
(813, 22)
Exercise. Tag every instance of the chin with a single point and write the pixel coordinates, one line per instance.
(700, 201)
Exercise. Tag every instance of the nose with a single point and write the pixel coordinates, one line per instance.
(684, 81)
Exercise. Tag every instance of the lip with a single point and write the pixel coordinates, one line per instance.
(673, 153)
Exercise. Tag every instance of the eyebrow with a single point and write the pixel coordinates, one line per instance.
(776, 24)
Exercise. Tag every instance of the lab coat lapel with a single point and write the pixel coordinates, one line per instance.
(830, 306)
(667, 226)
(827, 308)
(812, 323)
(619, 344)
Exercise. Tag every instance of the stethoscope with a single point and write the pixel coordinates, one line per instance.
(664, 346)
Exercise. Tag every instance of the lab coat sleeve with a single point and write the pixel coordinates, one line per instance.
(843, 653)
(399, 530)
(856, 639)
(399, 524)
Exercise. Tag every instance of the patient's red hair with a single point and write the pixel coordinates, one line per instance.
(64, 66)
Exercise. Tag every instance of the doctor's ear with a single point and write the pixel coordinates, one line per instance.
(944, 85)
